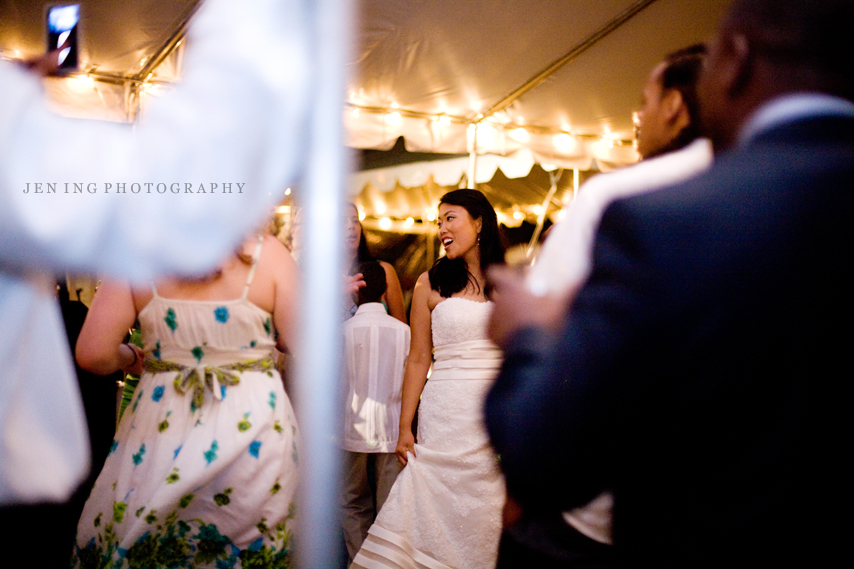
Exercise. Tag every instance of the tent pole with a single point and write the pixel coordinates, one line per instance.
(588, 42)
(129, 114)
(319, 340)
(430, 235)
(472, 140)
(541, 219)
(163, 52)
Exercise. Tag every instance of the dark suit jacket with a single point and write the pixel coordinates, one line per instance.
(700, 375)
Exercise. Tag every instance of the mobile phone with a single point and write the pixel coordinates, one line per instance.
(62, 35)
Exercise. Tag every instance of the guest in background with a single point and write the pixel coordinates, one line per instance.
(375, 349)
(187, 135)
(99, 402)
(668, 139)
(700, 373)
(204, 463)
(672, 149)
(357, 251)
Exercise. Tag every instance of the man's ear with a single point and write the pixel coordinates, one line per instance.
(738, 63)
(672, 104)
(675, 112)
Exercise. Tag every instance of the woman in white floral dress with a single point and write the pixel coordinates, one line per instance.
(202, 472)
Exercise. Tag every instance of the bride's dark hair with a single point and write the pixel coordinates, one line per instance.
(448, 276)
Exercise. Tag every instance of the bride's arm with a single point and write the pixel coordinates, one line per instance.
(417, 366)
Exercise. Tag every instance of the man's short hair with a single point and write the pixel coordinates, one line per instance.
(682, 71)
(805, 35)
(375, 283)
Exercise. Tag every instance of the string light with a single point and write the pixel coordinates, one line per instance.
(564, 142)
(487, 134)
(520, 134)
(80, 83)
(492, 127)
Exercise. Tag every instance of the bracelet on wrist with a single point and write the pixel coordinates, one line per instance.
(135, 356)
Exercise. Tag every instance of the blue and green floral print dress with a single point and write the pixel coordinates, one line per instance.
(203, 469)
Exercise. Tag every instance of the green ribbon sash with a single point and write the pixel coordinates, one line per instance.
(199, 377)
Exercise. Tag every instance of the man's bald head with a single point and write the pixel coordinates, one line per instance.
(766, 48)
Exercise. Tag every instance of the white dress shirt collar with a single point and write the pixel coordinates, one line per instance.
(792, 107)
(371, 307)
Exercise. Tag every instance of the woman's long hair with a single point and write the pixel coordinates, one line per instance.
(449, 276)
(363, 253)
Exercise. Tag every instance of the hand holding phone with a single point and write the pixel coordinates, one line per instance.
(62, 26)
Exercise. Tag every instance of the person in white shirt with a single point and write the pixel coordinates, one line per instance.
(236, 120)
(376, 346)
(672, 150)
(669, 142)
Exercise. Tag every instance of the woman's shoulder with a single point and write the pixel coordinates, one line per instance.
(423, 280)
(142, 294)
(274, 255)
(424, 291)
(390, 273)
(272, 245)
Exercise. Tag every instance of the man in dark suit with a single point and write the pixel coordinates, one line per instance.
(699, 376)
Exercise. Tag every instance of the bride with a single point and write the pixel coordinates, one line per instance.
(444, 510)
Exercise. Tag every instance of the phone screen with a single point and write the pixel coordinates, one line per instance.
(62, 34)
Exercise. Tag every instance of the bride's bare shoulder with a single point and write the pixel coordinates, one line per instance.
(425, 293)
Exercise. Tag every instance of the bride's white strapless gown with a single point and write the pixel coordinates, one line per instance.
(444, 509)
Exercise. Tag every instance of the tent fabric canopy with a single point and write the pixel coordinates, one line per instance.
(126, 48)
(563, 78)
(428, 70)
(552, 82)
(119, 39)
(447, 172)
(557, 77)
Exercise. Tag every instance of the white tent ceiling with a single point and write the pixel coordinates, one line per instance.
(127, 47)
(426, 70)
(428, 59)
(118, 37)
(549, 81)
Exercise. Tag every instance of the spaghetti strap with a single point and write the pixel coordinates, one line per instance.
(255, 257)
(153, 289)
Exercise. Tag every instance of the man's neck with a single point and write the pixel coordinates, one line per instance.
(678, 143)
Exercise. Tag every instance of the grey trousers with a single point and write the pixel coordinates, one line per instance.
(367, 480)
